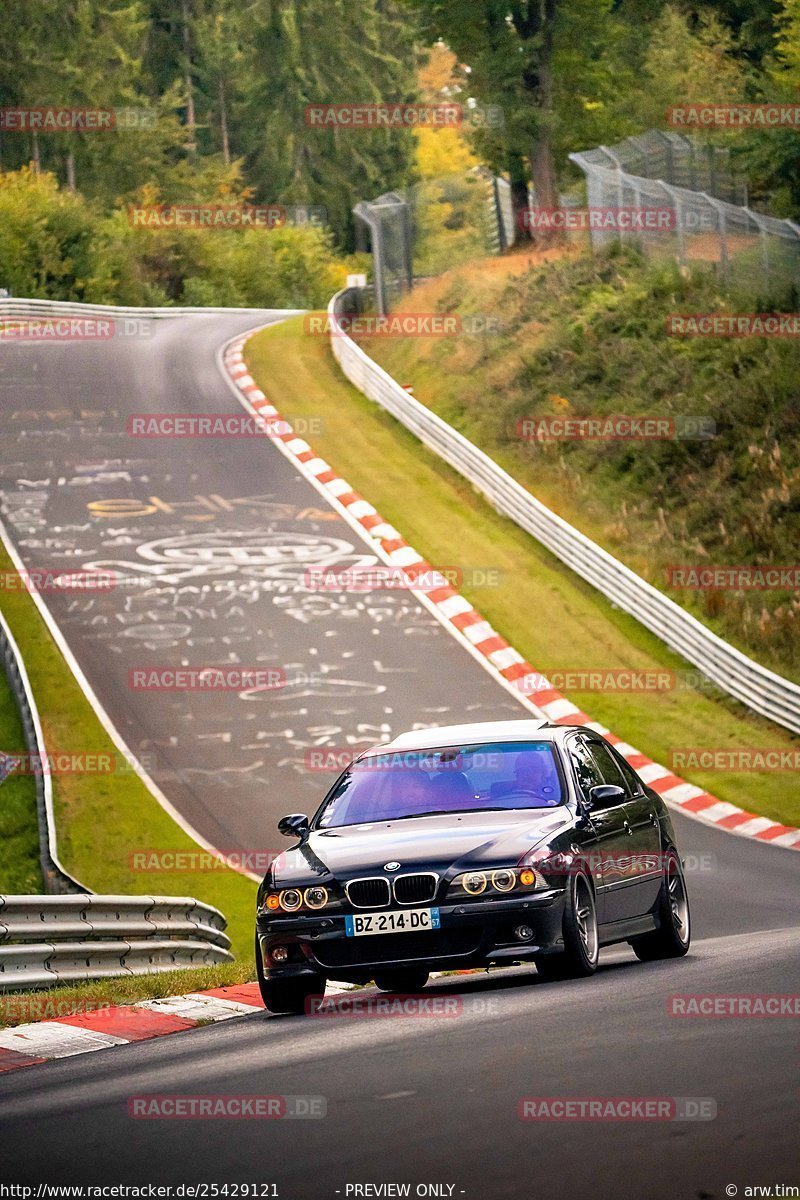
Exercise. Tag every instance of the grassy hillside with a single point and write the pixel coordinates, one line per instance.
(553, 618)
(583, 336)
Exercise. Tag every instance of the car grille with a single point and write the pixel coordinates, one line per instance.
(368, 893)
(415, 889)
(355, 952)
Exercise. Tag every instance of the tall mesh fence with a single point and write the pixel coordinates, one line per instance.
(695, 184)
(699, 187)
(389, 222)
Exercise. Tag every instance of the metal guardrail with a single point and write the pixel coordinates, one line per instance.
(759, 689)
(54, 876)
(49, 940)
(12, 307)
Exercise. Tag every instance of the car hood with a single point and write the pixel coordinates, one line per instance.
(461, 841)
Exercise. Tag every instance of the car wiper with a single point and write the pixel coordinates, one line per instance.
(447, 812)
(432, 812)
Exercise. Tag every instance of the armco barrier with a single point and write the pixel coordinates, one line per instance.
(48, 940)
(11, 308)
(761, 690)
(55, 877)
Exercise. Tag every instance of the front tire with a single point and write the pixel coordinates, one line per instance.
(581, 938)
(287, 995)
(407, 979)
(674, 933)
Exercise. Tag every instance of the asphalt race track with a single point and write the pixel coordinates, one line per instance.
(418, 1100)
(208, 541)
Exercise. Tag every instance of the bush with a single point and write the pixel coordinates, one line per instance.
(54, 245)
(46, 237)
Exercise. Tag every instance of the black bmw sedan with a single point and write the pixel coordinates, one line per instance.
(465, 846)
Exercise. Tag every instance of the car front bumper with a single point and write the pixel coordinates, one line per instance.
(472, 934)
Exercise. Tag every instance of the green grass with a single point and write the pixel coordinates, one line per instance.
(586, 336)
(545, 611)
(20, 870)
(102, 819)
(18, 1008)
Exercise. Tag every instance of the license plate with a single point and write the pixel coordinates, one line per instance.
(412, 920)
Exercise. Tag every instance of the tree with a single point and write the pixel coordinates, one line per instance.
(771, 157)
(752, 23)
(687, 62)
(516, 51)
(318, 52)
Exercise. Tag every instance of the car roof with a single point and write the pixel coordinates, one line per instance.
(467, 735)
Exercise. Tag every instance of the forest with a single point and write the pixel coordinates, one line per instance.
(207, 102)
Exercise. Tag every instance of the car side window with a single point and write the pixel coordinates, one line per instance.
(633, 783)
(586, 770)
(608, 771)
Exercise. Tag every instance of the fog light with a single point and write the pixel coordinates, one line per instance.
(523, 933)
(279, 953)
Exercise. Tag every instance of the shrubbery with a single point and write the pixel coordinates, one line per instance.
(56, 245)
(587, 337)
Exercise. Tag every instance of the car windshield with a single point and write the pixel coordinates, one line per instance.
(455, 779)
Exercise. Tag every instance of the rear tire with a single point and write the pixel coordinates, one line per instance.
(674, 933)
(581, 951)
(403, 979)
(287, 995)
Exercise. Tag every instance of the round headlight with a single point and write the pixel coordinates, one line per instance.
(474, 883)
(291, 900)
(503, 881)
(527, 876)
(316, 897)
(273, 902)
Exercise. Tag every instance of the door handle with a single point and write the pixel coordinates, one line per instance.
(627, 828)
(654, 819)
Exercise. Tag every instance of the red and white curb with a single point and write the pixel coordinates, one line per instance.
(117, 1025)
(476, 634)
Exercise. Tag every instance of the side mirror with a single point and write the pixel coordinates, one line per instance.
(606, 795)
(295, 825)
